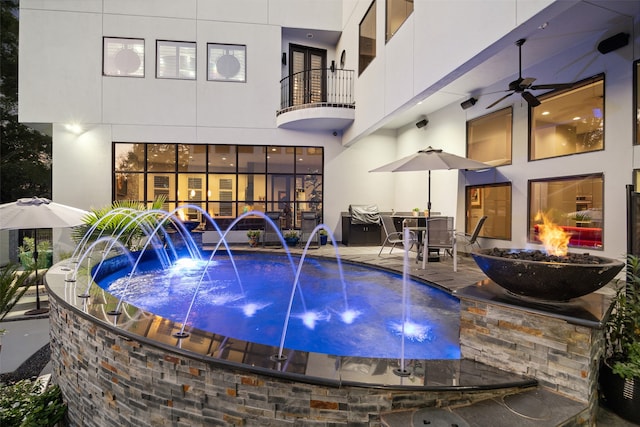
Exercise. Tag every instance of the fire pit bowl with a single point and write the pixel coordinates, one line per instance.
(534, 274)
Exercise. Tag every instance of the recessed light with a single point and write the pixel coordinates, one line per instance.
(577, 118)
(545, 113)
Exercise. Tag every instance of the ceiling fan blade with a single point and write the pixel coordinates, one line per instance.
(531, 100)
(500, 100)
(553, 86)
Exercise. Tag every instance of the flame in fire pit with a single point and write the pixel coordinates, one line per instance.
(552, 236)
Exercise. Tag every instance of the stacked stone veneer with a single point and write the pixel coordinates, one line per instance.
(111, 380)
(563, 357)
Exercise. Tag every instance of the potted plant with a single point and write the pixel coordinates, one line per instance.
(416, 211)
(291, 237)
(254, 237)
(323, 236)
(619, 379)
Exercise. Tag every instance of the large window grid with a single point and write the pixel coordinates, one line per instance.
(224, 180)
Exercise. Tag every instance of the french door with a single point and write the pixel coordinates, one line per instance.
(307, 68)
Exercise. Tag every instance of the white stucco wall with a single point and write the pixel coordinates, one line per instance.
(61, 82)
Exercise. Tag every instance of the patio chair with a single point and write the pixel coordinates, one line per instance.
(392, 236)
(270, 235)
(441, 235)
(469, 240)
(308, 221)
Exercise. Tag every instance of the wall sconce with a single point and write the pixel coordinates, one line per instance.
(422, 123)
(469, 103)
(284, 58)
(333, 66)
(613, 43)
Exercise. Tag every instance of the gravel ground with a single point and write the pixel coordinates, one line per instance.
(31, 368)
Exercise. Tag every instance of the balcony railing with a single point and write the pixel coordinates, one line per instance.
(317, 87)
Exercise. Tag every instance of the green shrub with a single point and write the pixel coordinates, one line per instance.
(25, 404)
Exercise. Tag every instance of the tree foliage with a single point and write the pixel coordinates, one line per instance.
(25, 154)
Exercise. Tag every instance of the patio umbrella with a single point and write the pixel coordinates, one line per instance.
(34, 213)
(431, 159)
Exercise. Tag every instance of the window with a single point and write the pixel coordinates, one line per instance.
(123, 57)
(569, 121)
(489, 138)
(175, 60)
(494, 201)
(636, 100)
(397, 12)
(224, 180)
(572, 203)
(367, 39)
(227, 62)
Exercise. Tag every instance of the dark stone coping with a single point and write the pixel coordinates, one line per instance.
(300, 366)
(591, 310)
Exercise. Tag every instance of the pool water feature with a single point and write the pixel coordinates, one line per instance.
(255, 309)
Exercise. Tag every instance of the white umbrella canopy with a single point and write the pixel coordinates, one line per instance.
(431, 159)
(34, 213)
(38, 212)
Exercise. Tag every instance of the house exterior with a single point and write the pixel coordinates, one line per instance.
(116, 80)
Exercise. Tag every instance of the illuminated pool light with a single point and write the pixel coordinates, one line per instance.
(349, 316)
(310, 318)
(252, 308)
(413, 331)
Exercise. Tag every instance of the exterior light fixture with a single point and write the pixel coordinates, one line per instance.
(422, 123)
(469, 103)
(74, 128)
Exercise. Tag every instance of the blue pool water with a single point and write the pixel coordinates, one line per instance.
(367, 324)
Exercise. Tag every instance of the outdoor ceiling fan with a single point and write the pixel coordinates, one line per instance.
(522, 85)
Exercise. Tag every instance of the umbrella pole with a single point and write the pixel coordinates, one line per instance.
(429, 196)
(37, 310)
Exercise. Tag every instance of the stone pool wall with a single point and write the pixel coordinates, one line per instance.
(108, 379)
(562, 356)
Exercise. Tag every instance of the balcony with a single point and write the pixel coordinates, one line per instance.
(317, 100)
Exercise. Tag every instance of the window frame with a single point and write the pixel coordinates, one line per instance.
(480, 203)
(496, 115)
(362, 64)
(563, 179)
(177, 43)
(105, 40)
(390, 6)
(243, 66)
(557, 93)
(636, 102)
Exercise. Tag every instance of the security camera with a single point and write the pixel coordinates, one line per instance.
(422, 123)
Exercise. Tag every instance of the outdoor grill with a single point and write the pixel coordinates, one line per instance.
(364, 214)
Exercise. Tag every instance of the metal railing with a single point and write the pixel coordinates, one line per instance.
(317, 86)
